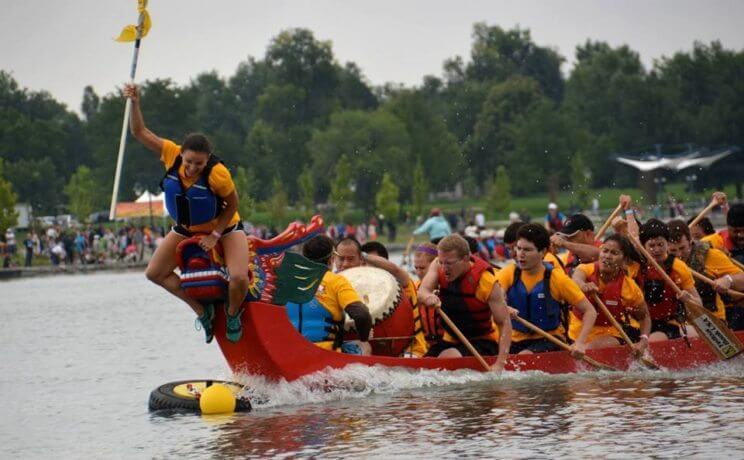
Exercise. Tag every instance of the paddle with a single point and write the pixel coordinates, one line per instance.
(715, 332)
(140, 31)
(561, 343)
(701, 277)
(607, 223)
(717, 201)
(462, 338)
(647, 362)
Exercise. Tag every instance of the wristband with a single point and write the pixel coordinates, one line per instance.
(216, 234)
(365, 256)
(644, 336)
(629, 212)
(730, 278)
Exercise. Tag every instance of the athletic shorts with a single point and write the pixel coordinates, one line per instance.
(533, 345)
(483, 346)
(735, 317)
(670, 329)
(187, 234)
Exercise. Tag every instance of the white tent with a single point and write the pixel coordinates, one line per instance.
(147, 197)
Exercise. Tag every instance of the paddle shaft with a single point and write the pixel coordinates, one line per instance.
(462, 338)
(647, 362)
(561, 343)
(125, 124)
(701, 277)
(702, 214)
(607, 223)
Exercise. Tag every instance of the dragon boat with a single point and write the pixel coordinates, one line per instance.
(273, 348)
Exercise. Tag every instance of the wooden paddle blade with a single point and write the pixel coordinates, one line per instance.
(715, 332)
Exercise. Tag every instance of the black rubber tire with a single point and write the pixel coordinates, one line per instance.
(164, 398)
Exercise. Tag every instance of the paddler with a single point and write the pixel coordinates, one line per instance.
(731, 240)
(710, 262)
(423, 256)
(607, 278)
(350, 254)
(201, 197)
(466, 290)
(322, 320)
(538, 293)
(665, 308)
(576, 236)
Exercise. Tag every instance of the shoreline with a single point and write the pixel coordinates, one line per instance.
(50, 270)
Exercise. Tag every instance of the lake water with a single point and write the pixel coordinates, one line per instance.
(81, 353)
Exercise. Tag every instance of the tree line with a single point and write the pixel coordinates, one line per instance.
(298, 127)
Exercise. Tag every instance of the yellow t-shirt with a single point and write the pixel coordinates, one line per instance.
(554, 260)
(335, 293)
(632, 298)
(482, 293)
(418, 347)
(562, 289)
(220, 181)
(717, 264)
(715, 240)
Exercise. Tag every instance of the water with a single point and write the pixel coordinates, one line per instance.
(81, 353)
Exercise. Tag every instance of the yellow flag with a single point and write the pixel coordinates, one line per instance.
(129, 33)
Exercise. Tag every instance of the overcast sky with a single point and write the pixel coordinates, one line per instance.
(61, 46)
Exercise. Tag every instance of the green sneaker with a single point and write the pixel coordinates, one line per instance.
(234, 329)
(206, 322)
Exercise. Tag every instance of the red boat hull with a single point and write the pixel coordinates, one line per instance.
(272, 347)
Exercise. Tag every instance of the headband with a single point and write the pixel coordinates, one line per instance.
(427, 250)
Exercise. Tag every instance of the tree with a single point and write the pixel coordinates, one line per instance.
(499, 193)
(37, 183)
(278, 203)
(306, 187)
(341, 192)
(386, 200)
(580, 181)
(420, 189)
(83, 193)
(245, 184)
(8, 214)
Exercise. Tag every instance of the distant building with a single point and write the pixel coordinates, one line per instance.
(25, 213)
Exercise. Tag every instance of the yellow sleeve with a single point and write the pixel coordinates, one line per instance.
(718, 264)
(169, 152)
(631, 293)
(564, 289)
(553, 260)
(682, 276)
(345, 292)
(485, 286)
(410, 290)
(505, 277)
(221, 181)
(715, 240)
(588, 269)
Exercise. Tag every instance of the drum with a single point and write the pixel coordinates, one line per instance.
(391, 310)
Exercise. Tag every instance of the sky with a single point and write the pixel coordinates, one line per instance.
(62, 46)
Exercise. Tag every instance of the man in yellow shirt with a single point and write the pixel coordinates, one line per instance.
(321, 320)
(708, 261)
(471, 298)
(537, 290)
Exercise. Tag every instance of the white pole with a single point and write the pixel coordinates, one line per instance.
(125, 124)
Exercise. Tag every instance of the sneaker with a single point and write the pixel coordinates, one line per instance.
(205, 321)
(234, 328)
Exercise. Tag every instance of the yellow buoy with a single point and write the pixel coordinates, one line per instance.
(217, 399)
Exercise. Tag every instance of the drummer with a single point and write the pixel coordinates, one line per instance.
(349, 254)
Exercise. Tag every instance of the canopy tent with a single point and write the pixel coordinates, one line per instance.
(145, 205)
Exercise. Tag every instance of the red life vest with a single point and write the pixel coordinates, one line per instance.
(431, 323)
(660, 297)
(612, 297)
(469, 314)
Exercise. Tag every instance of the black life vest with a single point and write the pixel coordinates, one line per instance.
(470, 315)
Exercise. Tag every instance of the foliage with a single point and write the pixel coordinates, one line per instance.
(307, 191)
(8, 214)
(499, 193)
(420, 189)
(245, 184)
(386, 200)
(82, 193)
(341, 192)
(580, 179)
(278, 202)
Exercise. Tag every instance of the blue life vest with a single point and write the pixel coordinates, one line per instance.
(537, 306)
(314, 322)
(195, 205)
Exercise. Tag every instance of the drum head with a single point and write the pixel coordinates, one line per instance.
(378, 289)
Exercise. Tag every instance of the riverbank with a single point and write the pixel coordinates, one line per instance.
(48, 270)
